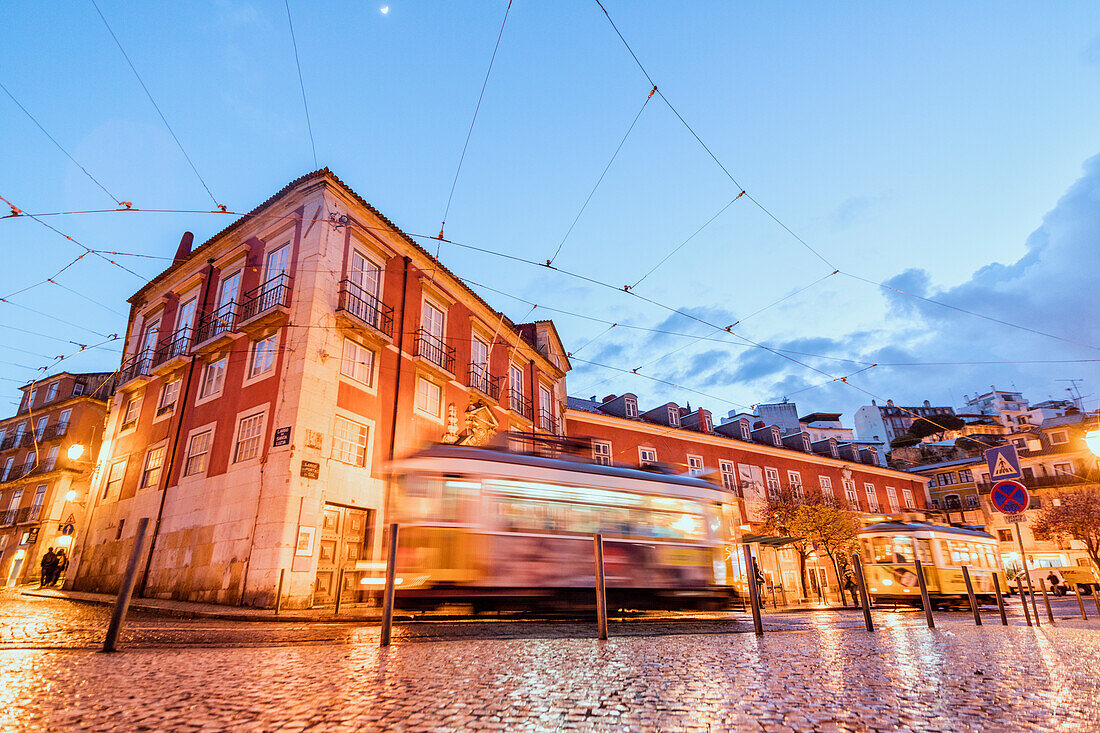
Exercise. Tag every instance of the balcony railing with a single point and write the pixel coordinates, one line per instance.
(547, 421)
(518, 403)
(9, 442)
(8, 517)
(434, 350)
(274, 293)
(1046, 482)
(57, 430)
(484, 382)
(34, 512)
(138, 365)
(180, 345)
(222, 320)
(366, 307)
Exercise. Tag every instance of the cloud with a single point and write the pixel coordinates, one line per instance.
(852, 209)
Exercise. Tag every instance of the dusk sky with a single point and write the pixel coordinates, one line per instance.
(950, 151)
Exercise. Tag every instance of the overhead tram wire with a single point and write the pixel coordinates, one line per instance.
(301, 83)
(59, 146)
(469, 132)
(599, 180)
(154, 103)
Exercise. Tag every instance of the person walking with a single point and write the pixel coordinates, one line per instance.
(62, 566)
(850, 583)
(49, 567)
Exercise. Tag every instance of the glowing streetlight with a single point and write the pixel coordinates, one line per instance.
(70, 495)
(76, 450)
(1092, 440)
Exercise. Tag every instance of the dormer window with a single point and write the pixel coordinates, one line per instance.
(673, 417)
(746, 434)
(776, 440)
(631, 406)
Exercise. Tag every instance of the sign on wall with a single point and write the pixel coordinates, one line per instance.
(310, 469)
(282, 436)
(304, 548)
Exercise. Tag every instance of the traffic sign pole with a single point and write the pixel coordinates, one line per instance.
(1027, 574)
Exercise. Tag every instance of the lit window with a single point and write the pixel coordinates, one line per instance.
(130, 416)
(907, 497)
(966, 476)
(729, 478)
(631, 407)
(169, 393)
(114, 478)
(429, 397)
(971, 501)
(601, 452)
(872, 497)
(213, 377)
(892, 497)
(349, 442)
(263, 356)
(51, 391)
(695, 465)
(198, 453)
(154, 460)
(647, 456)
(357, 362)
(673, 416)
(249, 437)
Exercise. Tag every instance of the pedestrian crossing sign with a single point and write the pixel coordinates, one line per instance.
(1003, 462)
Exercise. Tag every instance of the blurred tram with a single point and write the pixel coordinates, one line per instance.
(501, 529)
(887, 550)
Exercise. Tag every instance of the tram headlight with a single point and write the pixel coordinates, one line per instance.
(887, 581)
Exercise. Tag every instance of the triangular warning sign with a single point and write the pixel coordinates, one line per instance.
(1003, 467)
(70, 520)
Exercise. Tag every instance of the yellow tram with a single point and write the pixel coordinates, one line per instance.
(887, 550)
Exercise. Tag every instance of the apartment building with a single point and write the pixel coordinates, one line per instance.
(883, 423)
(270, 375)
(47, 457)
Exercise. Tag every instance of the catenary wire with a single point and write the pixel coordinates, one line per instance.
(301, 83)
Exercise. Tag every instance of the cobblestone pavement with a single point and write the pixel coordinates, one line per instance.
(826, 673)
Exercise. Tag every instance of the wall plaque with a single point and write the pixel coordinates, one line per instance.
(310, 469)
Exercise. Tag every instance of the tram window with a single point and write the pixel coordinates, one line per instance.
(903, 549)
(924, 551)
(881, 547)
(945, 553)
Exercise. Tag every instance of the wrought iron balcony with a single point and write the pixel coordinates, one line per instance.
(221, 321)
(9, 442)
(138, 365)
(34, 512)
(547, 421)
(180, 345)
(365, 307)
(275, 293)
(434, 350)
(520, 404)
(8, 517)
(483, 382)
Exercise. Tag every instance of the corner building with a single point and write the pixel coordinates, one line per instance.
(269, 376)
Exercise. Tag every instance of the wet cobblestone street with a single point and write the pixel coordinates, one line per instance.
(824, 673)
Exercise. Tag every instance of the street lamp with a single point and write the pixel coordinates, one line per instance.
(1092, 440)
(76, 450)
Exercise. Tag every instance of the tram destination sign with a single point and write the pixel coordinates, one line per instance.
(1010, 497)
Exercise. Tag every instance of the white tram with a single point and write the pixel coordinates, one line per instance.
(494, 528)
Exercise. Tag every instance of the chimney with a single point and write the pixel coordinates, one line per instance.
(927, 403)
(609, 398)
(184, 250)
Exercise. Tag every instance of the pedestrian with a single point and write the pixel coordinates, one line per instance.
(850, 583)
(62, 565)
(49, 567)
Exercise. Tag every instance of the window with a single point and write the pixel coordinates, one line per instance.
(130, 415)
(1020, 443)
(479, 356)
(51, 458)
(114, 478)
(249, 437)
(601, 452)
(771, 478)
(169, 393)
(647, 456)
(263, 355)
(892, 498)
(51, 391)
(945, 479)
(1063, 469)
(935, 503)
(349, 442)
(826, 487)
(971, 501)
(184, 318)
(850, 493)
(63, 421)
(357, 362)
(30, 400)
(429, 397)
(432, 321)
(907, 497)
(1004, 535)
(78, 389)
(154, 461)
(36, 506)
(872, 498)
(673, 417)
(515, 386)
(198, 453)
(546, 409)
(3, 434)
(746, 433)
(729, 478)
(794, 478)
(1058, 437)
(40, 427)
(631, 407)
(966, 476)
(695, 465)
(16, 499)
(7, 468)
(213, 377)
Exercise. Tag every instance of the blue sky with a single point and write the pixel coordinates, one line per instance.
(943, 148)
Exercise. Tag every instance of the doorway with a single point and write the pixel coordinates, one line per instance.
(345, 540)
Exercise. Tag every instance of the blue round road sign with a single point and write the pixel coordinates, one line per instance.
(1010, 497)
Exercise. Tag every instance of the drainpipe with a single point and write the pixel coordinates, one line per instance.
(176, 437)
(397, 380)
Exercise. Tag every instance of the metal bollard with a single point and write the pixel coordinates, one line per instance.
(864, 596)
(1000, 598)
(754, 592)
(279, 593)
(924, 594)
(122, 603)
(1023, 601)
(1080, 603)
(339, 591)
(601, 590)
(970, 594)
(1096, 597)
(1046, 600)
(387, 596)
